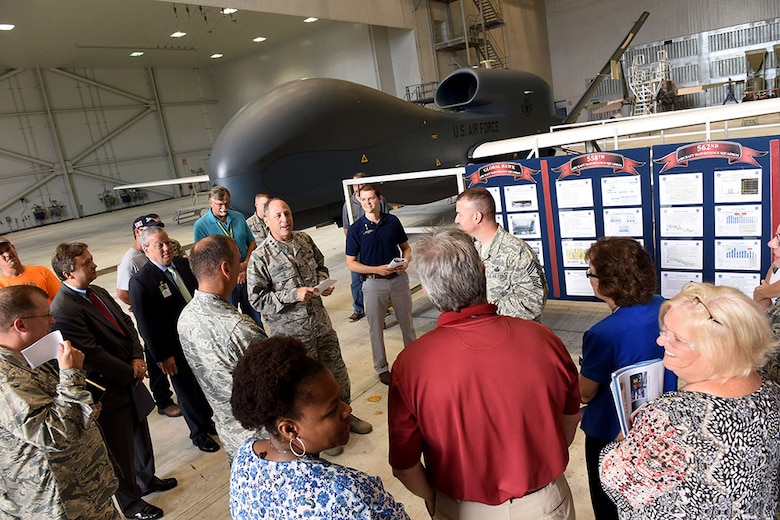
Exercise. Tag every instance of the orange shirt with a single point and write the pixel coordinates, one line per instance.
(34, 275)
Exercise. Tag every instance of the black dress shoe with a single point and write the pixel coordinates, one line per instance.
(149, 512)
(205, 443)
(160, 484)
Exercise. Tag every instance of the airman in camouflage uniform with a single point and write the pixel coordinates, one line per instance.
(214, 335)
(281, 276)
(515, 278)
(53, 461)
(255, 222)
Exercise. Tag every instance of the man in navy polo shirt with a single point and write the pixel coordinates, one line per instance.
(221, 220)
(377, 239)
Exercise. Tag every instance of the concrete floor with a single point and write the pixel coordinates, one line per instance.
(203, 478)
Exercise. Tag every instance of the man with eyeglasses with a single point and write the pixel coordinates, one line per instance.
(54, 476)
(221, 220)
(515, 278)
(14, 272)
(158, 293)
(92, 320)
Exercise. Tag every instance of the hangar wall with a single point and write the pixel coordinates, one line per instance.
(77, 133)
(584, 33)
(377, 57)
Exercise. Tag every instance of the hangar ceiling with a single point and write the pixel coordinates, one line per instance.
(103, 33)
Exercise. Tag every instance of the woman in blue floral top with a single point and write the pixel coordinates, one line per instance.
(277, 386)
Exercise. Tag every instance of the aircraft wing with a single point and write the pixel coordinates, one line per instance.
(165, 182)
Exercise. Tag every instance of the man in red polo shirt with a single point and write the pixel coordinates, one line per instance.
(491, 402)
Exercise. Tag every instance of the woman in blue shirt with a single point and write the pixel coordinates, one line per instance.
(276, 385)
(622, 274)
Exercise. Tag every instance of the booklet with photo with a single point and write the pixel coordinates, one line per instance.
(633, 386)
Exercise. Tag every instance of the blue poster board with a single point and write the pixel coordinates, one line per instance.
(561, 205)
(714, 213)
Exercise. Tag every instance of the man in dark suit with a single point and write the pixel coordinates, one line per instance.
(158, 293)
(93, 322)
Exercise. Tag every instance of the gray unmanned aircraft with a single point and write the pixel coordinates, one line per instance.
(301, 139)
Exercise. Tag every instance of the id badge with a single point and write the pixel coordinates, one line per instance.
(165, 290)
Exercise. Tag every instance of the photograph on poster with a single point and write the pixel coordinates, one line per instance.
(524, 225)
(740, 255)
(682, 222)
(680, 188)
(745, 282)
(682, 254)
(737, 185)
(574, 252)
(521, 197)
(577, 224)
(577, 284)
(623, 222)
(621, 191)
(496, 192)
(536, 245)
(574, 193)
(673, 282)
(738, 221)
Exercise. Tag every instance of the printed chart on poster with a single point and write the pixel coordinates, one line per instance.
(595, 195)
(713, 213)
(702, 210)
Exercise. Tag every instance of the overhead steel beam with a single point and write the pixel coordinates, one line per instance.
(58, 144)
(111, 135)
(101, 85)
(22, 194)
(164, 124)
(23, 157)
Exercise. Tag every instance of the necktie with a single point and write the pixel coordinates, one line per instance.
(179, 283)
(98, 303)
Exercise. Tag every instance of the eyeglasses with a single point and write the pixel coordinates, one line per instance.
(671, 336)
(49, 315)
(698, 301)
(590, 275)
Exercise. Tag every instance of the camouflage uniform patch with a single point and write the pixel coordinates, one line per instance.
(515, 278)
(275, 272)
(55, 464)
(214, 336)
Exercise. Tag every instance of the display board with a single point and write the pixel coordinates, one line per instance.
(713, 212)
(702, 210)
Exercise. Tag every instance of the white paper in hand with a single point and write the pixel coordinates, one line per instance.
(43, 350)
(322, 286)
(396, 262)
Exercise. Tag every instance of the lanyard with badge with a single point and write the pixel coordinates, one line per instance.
(227, 232)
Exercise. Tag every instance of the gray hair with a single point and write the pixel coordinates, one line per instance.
(450, 270)
(147, 232)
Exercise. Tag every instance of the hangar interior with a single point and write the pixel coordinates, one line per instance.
(80, 115)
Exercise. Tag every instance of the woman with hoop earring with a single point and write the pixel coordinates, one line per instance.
(277, 386)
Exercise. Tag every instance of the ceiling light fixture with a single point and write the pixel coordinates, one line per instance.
(259, 39)
(310, 19)
(178, 34)
(136, 54)
(216, 56)
(229, 10)
(6, 26)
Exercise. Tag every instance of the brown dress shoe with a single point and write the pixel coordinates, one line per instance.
(172, 410)
(384, 377)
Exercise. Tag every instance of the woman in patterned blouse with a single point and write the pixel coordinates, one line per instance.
(277, 386)
(712, 449)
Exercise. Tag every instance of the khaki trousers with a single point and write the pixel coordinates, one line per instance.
(553, 501)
